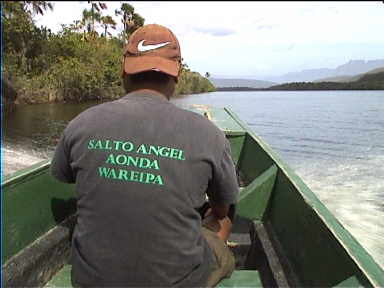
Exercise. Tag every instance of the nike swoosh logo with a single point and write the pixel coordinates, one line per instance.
(143, 48)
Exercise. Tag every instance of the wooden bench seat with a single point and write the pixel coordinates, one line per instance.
(242, 278)
(239, 278)
(61, 278)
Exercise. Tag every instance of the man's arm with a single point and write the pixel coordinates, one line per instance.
(223, 190)
(220, 211)
(60, 164)
(223, 187)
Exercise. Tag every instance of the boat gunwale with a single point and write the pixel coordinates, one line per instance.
(27, 172)
(360, 256)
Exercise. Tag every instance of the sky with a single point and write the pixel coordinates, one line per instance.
(256, 39)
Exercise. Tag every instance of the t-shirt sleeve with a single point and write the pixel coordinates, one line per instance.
(60, 164)
(223, 188)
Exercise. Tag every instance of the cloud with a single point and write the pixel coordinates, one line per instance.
(265, 27)
(281, 36)
(215, 31)
(290, 47)
(284, 48)
(257, 20)
(307, 11)
(333, 10)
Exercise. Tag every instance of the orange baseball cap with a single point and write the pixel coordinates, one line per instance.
(152, 47)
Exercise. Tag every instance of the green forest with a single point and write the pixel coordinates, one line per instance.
(369, 81)
(374, 81)
(78, 63)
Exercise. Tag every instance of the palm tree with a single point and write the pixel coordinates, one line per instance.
(131, 20)
(184, 66)
(89, 18)
(138, 21)
(95, 12)
(37, 7)
(107, 21)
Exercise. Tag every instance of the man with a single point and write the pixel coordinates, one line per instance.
(142, 168)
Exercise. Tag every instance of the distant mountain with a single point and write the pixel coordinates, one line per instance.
(353, 67)
(350, 78)
(221, 83)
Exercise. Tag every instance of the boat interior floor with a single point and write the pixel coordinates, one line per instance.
(253, 268)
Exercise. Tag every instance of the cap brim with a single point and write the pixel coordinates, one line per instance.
(134, 65)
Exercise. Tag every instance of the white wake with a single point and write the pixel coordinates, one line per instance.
(353, 191)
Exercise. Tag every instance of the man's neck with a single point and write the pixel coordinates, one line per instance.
(153, 92)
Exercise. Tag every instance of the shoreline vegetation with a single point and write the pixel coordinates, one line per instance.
(76, 64)
(373, 81)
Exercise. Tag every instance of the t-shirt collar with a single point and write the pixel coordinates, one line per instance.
(147, 95)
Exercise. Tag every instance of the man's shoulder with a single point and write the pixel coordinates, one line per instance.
(200, 123)
(95, 110)
(91, 115)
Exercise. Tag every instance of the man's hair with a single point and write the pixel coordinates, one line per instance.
(150, 76)
(139, 79)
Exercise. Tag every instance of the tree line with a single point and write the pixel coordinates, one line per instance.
(77, 63)
(372, 81)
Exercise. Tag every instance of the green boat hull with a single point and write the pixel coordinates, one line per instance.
(283, 234)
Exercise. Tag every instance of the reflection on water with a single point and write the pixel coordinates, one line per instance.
(31, 132)
(332, 139)
(40, 126)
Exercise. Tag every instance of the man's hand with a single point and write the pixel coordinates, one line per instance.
(211, 222)
(219, 210)
(222, 226)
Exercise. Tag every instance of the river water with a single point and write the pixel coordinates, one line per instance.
(334, 140)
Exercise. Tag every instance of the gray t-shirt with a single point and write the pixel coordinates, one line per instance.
(141, 167)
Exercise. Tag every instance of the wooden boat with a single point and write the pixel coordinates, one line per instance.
(283, 235)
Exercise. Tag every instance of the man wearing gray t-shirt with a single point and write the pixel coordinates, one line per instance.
(142, 168)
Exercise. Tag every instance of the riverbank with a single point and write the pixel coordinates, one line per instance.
(26, 91)
(76, 64)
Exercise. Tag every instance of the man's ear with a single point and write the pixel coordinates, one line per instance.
(122, 67)
(127, 83)
(179, 73)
